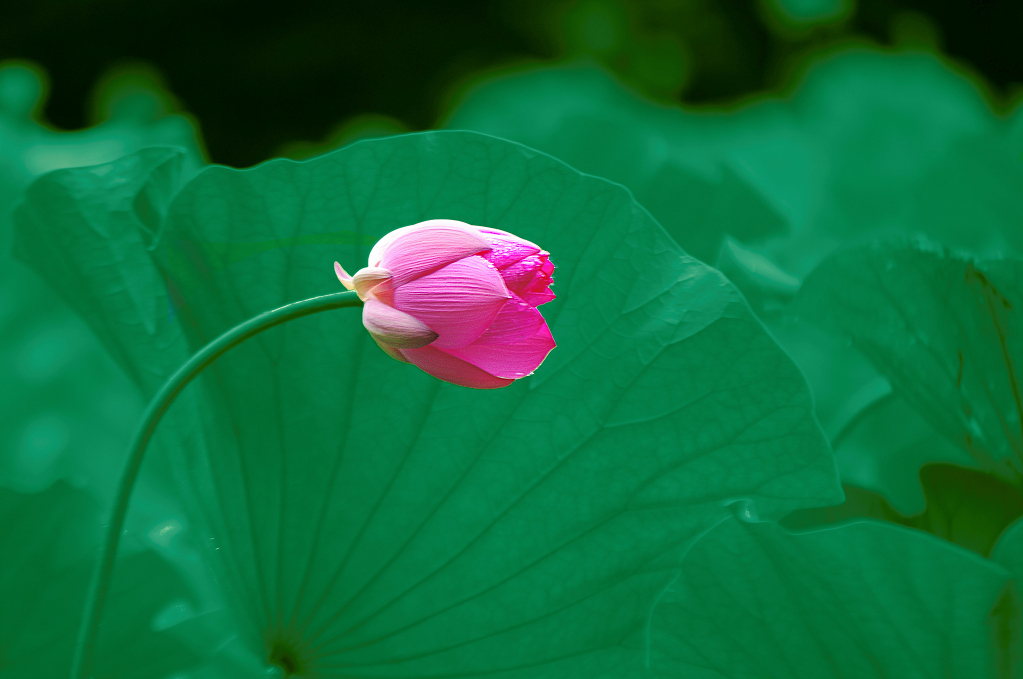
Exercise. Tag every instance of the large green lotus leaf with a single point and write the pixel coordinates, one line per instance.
(944, 330)
(71, 410)
(213, 637)
(49, 541)
(865, 599)
(866, 143)
(1008, 552)
(66, 411)
(87, 231)
(368, 519)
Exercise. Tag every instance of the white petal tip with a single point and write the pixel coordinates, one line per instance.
(343, 276)
(366, 280)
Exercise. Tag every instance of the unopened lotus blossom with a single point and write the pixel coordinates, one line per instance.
(458, 301)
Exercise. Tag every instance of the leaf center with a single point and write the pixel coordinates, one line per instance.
(286, 656)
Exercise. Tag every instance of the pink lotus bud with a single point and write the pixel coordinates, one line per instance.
(458, 301)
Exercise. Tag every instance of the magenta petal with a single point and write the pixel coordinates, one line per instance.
(457, 302)
(531, 274)
(538, 298)
(510, 361)
(444, 366)
(516, 322)
(506, 248)
(414, 251)
(395, 328)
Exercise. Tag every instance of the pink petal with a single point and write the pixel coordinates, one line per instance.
(532, 274)
(395, 328)
(516, 322)
(444, 366)
(458, 302)
(506, 248)
(510, 361)
(414, 251)
(538, 298)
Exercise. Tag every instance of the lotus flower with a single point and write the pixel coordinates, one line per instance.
(458, 301)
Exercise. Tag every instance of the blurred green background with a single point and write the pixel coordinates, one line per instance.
(260, 75)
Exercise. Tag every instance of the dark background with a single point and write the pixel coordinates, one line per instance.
(258, 76)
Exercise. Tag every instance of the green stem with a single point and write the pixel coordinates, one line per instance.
(150, 419)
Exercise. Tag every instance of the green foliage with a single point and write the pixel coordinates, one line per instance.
(49, 541)
(601, 518)
(944, 331)
(880, 441)
(579, 114)
(861, 600)
(66, 411)
(364, 517)
(1009, 550)
(800, 13)
(88, 232)
(866, 144)
(964, 506)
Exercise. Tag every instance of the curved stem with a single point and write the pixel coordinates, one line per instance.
(150, 419)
